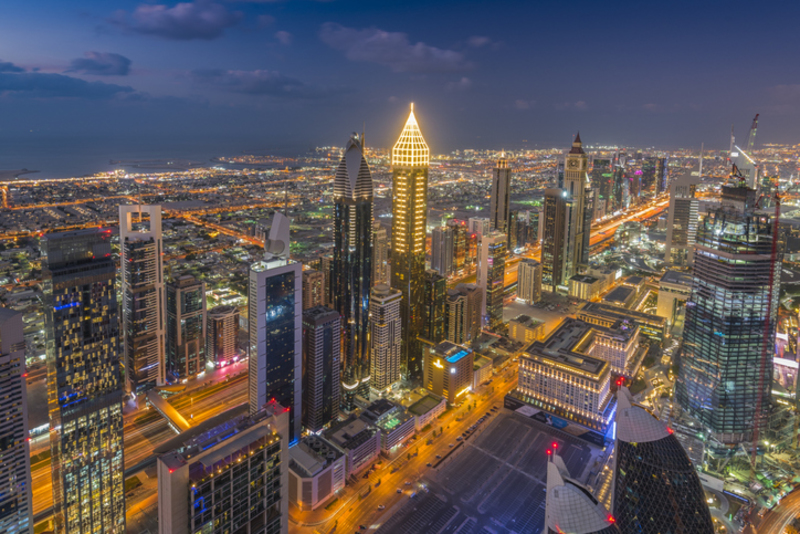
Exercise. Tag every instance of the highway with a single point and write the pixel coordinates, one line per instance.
(354, 512)
(776, 519)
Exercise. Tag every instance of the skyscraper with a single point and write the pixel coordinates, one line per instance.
(554, 272)
(352, 267)
(463, 313)
(321, 364)
(313, 289)
(84, 382)
(16, 501)
(380, 254)
(570, 507)
(410, 160)
(578, 208)
(725, 370)
(442, 252)
(662, 175)
(681, 223)
(656, 487)
(479, 225)
(143, 310)
(385, 336)
(603, 180)
(500, 202)
(529, 281)
(275, 315)
(459, 229)
(435, 295)
(186, 328)
(491, 278)
(222, 335)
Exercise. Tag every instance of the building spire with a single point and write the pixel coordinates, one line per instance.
(411, 150)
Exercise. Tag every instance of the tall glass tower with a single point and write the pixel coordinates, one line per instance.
(352, 267)
(725, 372)
(410, 160)
(84, 382)
(499, 202)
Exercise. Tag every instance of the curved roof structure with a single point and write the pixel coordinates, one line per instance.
(634, 423)
(353, 179)
(571, 508)
(411, 150)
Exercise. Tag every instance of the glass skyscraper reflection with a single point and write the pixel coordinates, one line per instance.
(84, 382)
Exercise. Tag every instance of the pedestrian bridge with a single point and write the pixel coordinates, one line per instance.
(175, 420)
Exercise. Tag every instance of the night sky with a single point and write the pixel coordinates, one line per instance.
(481, 74)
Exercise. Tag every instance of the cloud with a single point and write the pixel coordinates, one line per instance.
(579, 105)
(7, 66)
(461, 85)
(185, 21)
(285, 38)
(391, 49)
(265, 20)
(260, 82)
(524, 104)
(478, 41)
(392, 99)
(101, 64)
(42, 85)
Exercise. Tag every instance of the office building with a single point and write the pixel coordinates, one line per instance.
(681, 224)
(570, 507)
(491, 278)
(513, 224)
(559, 376)
(427, 409)
(479, 225)
(499, 201)
(385, 336)
(603, 182)
(275, 317)
(448, 370)
(352, 267)
(662, 175)
(463, 313)
(227, 474)
(313, 289)
(396, 425)
(410, 160)
(222, 335)
(16, 500)
(435, 295)
(317, 470)
(360, 441)
(321, 364)
(652, 327)
(674, 289)
(529, 281)
(143, 310)
(579, 209)
(380, 254)
(442, 253)
(84, 382)
(724, 378)
(554, 259)
(326, 267)
(525, 329)
(186, 328)
(460, 246)
(656, 487)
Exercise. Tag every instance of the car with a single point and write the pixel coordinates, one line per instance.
(399, 490)
(428, 464)
(451, 445)
(407, 483)
(459, 438)
(362, 527)
(381, 507)
(439, 456)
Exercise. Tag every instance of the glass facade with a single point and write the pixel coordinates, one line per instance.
(553, 251)
(186, 328)
(657, 490)
(495, 285)
(84, 382)
(321, 367)
(435, 297)
(280, 333)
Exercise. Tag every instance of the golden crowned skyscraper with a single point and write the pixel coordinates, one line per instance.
(410, 159)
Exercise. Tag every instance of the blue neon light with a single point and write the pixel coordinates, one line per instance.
(65, 306)
(457, 356)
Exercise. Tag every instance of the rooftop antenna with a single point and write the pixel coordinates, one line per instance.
(364, 138)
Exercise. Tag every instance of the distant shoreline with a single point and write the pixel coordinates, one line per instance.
(9, 175)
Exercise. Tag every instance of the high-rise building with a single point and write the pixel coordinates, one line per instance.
(275, 316)
(352, 268)
(326, 267)
(435, 295)
(554, 261)
(143, 310)
(222, 335)
(321, 365)
(186, 328)
(656, 487)
(681, 223)
(442, 252)
(579, 208)
(385, 336)
(16, 500)
(513, 231)
(662, 175)
(603, 181)
(500, 202)
(448, 370)
(529, 281)
(380, 254)
(479, 225)
(85, 385)
(463, 313)
(491, 278)
(725, 370)
(570, 507)
(228, 474)
(313, 289)
(459, 229)
(410, 160)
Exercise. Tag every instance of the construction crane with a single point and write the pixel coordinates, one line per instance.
(751, 140)
(767, 341)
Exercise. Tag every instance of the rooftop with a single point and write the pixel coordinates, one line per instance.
(311, 455)
(451, 352)
(676, 277)
(563, 345)
(584, 279)
(619, 294)
(526, 320)
(350, 433)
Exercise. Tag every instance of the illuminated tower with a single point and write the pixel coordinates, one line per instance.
(410, 159)
(499, 205)
(491, 273)
(380, 254)
(385, 337)
(352, 267)
(84, 382)
(681, 223)
(578, 205)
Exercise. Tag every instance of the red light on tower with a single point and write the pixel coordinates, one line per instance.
(549, 452)
(611, 519)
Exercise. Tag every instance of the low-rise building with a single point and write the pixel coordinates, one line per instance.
(447, 370)
(360, 442)
(674, 289)
(652, 327)
(317, 470)
(584, 286)
(482, 370)
(396, 425)
(525, 329)
(622, 296)
(426, 410)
